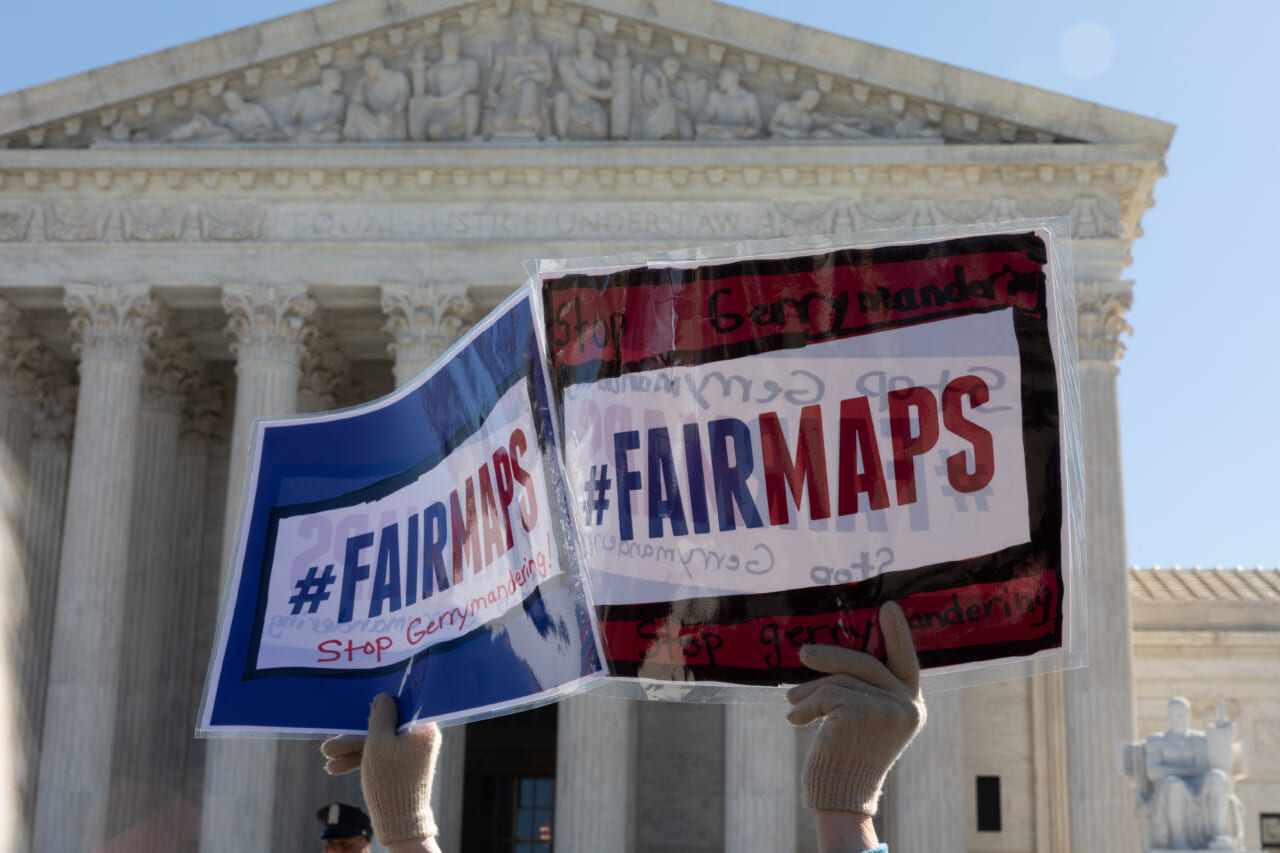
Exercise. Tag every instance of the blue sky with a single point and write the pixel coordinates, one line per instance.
(1200, 383)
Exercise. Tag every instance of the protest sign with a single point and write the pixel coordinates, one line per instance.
(763, 449)
(416, 546)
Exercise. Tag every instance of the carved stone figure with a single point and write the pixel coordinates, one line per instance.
(377, 109)
(797, 120)
(446, 100)
(662, 114)
(243, 121)
(730, 112)
(518, 81)
(317, 112)
(914, 127)
(620, 102)
(587, 80)
(1186, 796)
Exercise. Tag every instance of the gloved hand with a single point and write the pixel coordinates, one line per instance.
(869, 711)
(395, 772)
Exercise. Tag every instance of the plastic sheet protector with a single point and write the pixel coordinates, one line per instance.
(419, 545)
(763, 449)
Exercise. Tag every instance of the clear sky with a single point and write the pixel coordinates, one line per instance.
(1200, 383)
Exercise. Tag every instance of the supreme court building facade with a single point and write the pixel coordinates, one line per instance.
(305, 213)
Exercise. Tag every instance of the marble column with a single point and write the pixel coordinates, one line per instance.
(423, 321)
(41, 525)
(1049, 763)
(112, 326)
(18, 351)
(269, 326)
(1099, 698)
(761, 788)
(595, 775)
(217, 443)
(187, 659)
(929, 783)
(150, 733)
(302, 786)
(11, 746)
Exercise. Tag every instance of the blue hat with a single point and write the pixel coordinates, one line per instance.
(343, 821)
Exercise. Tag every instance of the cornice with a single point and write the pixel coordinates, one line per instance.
(585, 154)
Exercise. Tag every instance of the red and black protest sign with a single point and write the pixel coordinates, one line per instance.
(768, 448)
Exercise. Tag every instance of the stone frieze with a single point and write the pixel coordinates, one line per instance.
(307, 222)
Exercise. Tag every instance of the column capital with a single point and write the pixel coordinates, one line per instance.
(56, 396)
(1100, 319)
(112, 322)
(268, 322)
(20, 352)
(325, 374)
(202, 414)
(173, 369)
(423, 320)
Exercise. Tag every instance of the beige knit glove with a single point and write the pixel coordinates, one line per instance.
(869, 711)
(395, 772)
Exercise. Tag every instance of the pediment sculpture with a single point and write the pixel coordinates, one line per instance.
(1186, 783)
(508, 82)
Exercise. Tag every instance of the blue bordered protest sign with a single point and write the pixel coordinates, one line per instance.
(416, 545)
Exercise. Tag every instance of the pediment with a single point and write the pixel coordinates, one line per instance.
(360, 72)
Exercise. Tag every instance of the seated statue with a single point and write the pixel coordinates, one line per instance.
(446, 101)
(663, 115)
(797, 120)
(914, 127)
(518, 81)
(587, 81)
(243, 121)
(730, 112)
(376, 111)
(1186, 797)
(317, 111)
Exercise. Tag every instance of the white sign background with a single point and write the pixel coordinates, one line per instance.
(942, 525)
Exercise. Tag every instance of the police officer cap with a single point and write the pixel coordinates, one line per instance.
(343, 821)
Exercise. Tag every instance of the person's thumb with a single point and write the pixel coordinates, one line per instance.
(383, 718)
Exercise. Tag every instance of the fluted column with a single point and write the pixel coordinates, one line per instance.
(46, 494)
(11, 747)
(217, 442)
(423, 321)
(929, 783)
(595, 775)
(187, 658)
(269, 326)
(20, 363)
(150, 733)
(761, 789)
(302, 786)
(1049, 763)
(1099, 698)
(112, 325)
